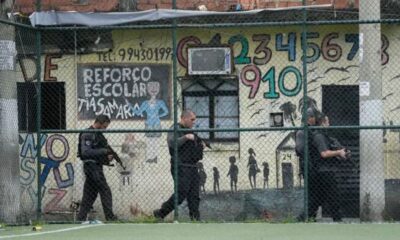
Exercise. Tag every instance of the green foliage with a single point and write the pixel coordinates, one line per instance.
(289, 219)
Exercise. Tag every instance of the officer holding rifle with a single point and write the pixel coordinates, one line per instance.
(95, 152)
(190, 152)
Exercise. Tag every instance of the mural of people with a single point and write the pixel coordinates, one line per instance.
(203, 177)
(233, 173)
(265, 173)
(216, 180)
(253, 168)
(128, 155)
(154, 109)
(128, 148)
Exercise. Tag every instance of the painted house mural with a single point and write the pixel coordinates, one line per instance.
(133, 85)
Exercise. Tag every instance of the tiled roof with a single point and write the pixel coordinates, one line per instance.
(224, 5)
(28, 6)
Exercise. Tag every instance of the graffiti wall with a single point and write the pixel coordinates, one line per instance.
(56, 174)
(133, 85)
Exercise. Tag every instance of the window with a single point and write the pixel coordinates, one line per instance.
(52, 106)
(216, 104)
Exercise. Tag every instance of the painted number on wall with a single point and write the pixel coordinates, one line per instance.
(251, 77)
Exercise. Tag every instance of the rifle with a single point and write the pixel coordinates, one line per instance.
(336, 145)
(115, 156)
(199, 140)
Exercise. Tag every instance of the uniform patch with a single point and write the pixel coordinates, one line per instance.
(88, 142)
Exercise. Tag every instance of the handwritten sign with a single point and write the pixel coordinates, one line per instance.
(119, 90)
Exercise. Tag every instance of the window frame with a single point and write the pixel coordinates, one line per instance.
(212, 93)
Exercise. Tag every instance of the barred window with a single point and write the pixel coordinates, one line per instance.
(52, 106)
(216, 104)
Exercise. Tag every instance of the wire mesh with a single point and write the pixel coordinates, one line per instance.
(55, 81)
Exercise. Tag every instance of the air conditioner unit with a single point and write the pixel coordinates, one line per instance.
(210, 60)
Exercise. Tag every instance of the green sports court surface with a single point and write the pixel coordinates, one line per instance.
(207, 231)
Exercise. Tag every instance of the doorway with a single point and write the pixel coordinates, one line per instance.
(287, 175)
(341, 104)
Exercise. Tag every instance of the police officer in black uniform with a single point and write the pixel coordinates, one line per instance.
(323, 189)
(93, 152)
(190, 151)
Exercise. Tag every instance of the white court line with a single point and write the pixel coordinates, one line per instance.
(53, 231)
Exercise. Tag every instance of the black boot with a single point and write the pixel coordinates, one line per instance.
(158, 215)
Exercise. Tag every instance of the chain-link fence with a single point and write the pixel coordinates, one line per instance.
(299, 110)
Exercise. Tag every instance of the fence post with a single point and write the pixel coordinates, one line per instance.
(9, 170)
(38, 123)
(372, 188)
(304, 119)
(175, 90)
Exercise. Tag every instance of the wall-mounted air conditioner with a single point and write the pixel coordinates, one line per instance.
(210, 60)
